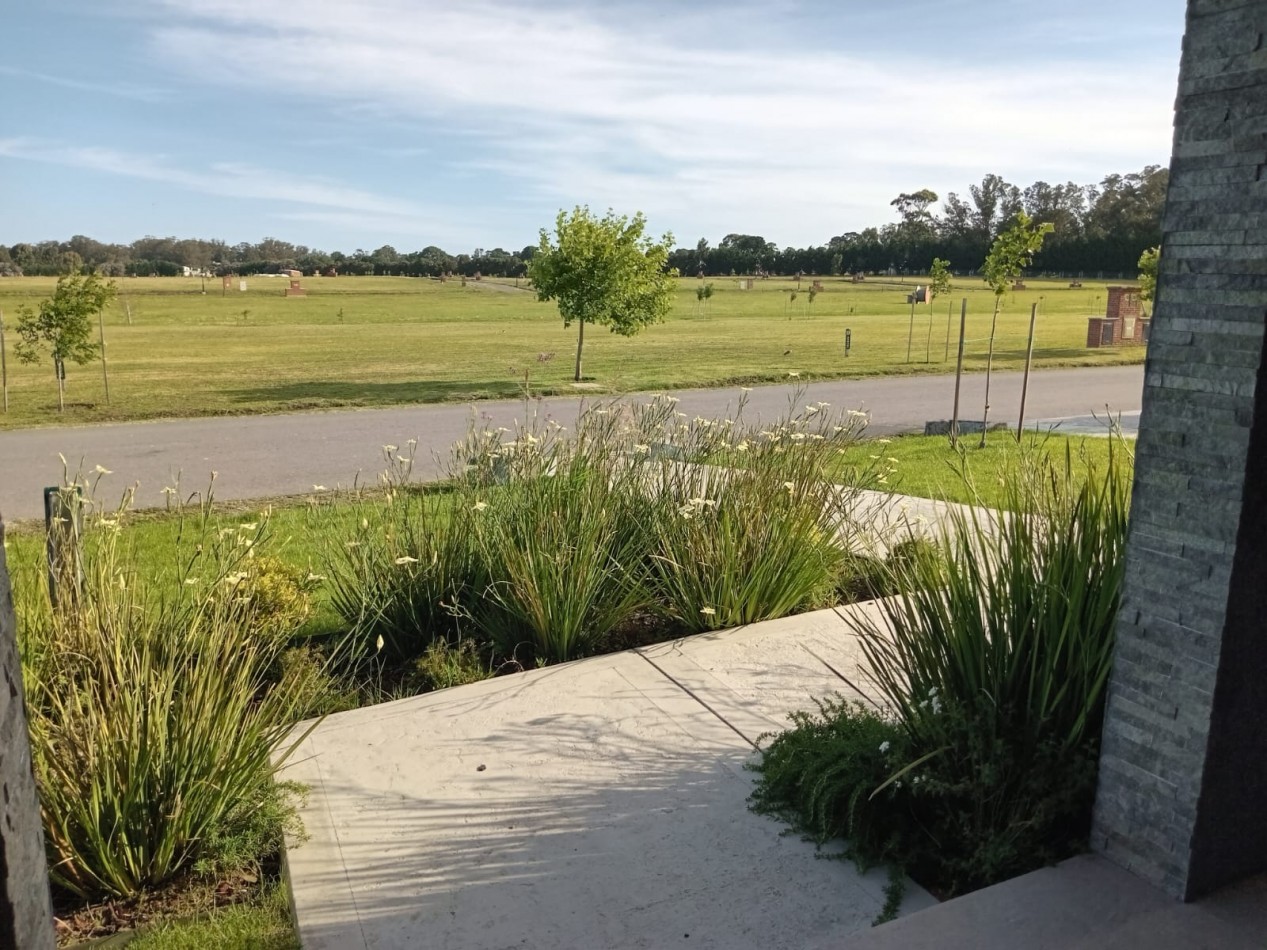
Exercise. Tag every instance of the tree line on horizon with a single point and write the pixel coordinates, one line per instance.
(1097, 229)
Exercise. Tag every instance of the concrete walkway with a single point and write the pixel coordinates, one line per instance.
(596, 804)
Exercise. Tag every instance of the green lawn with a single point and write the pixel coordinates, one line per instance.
(263, 924)
(928, 467)
(382, 341)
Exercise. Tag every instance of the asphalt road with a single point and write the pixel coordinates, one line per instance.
(263, 456)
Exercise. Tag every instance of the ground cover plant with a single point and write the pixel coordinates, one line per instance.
(990, 664)
(374, 341)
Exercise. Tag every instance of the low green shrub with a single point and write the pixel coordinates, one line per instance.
(992, 658)
(442, 666)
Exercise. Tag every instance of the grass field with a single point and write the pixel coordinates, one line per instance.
(361, 341)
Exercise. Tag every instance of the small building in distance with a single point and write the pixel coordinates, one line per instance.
(1123, 323)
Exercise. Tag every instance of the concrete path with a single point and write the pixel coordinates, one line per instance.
(597, 804)
(1084, 903)
(261, 456)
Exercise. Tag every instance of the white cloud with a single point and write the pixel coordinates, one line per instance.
(229, 179)
(574, 109)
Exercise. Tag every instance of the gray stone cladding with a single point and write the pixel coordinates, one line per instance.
(1192, 459)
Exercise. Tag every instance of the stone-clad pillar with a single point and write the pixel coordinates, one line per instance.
(1183, 772)
(26, 914)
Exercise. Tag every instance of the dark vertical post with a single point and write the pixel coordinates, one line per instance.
(1029, 358)
(26, 910)
(954, 419)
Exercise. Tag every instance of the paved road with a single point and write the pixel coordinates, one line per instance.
(261, 456)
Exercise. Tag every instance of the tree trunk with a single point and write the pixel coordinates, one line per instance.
(989, 363)
(580, 342)
(61, 389)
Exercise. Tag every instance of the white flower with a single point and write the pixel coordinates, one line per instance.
(378, 644)
(248, 526)
(884, 746)
(745, 389)
(790, 486)
(190, 581)
(672, 400)
(479, 506)
(169, 490)
(810, 410)
(103, 471)
(389, 449)
(313, 578)
(856, 414)
(794, 375)
(642, 449)
(798, 436)
(883, 441)
(406, 560)
(742, 446)
(707, 611)
(318, 487)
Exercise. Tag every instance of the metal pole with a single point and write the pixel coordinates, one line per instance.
(954, 419)
(1029, 356)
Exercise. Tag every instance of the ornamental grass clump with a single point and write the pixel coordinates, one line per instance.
(156, 726)
(399, 581)
(991, 661)
(762, 532)
(557, 524)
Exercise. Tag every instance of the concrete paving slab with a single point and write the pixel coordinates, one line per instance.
(754, 676)
(1084, 903)
(592, 804)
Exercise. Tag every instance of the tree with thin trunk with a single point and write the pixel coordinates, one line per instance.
(604, 270)
(1011, 252)
(62, 327)
(1148, 264)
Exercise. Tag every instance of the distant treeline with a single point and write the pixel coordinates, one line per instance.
(1099, 229)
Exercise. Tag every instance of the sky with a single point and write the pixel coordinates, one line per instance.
(469, 124)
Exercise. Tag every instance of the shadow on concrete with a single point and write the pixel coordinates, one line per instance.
(624, 830)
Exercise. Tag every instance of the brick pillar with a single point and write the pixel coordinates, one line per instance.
(26, 914)
(1183, 773)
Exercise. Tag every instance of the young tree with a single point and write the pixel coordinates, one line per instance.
(938, 285)
(1011, 252)
(1148, 262)
(63, 326)
(939, 278)
(605, 271)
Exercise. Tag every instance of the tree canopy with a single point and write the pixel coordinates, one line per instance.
(604, 270)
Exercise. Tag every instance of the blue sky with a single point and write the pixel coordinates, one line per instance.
(363, 122)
